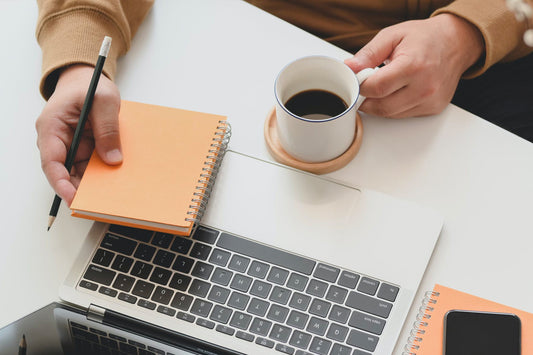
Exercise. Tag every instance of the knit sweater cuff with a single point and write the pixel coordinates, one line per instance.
(75, 37)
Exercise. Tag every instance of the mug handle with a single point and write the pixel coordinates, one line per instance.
(361, 77)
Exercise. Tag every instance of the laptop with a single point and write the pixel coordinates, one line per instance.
(283, 262)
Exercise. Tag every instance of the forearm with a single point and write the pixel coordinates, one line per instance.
(71, 31)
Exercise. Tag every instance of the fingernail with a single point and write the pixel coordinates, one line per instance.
(114, 156)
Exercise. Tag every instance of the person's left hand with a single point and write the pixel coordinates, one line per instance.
(424, 63)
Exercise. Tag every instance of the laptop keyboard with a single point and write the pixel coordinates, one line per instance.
(243, 289)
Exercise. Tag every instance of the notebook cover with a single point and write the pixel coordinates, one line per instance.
(164, 151)
(450, 299)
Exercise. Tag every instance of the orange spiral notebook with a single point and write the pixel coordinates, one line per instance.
(171, 157)
(427, 334)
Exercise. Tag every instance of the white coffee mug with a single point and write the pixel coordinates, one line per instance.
(318, 140)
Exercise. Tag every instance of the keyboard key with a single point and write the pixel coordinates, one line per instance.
(123, 283)
(141, 269)
(258, 269)
(186, 317)
(339, 349)
(284, 349)
(264, 342)
(164, 258)
(199, 288)
(241, 283)
(317, 288)
(156, 350)
(109, 343)
(162, 295)
(336, 294)
(297, 319)
(238, 300)
(200, 251)
(260, 326)
(144, 252)
(320, 346)
(388, 292)
(368, 304)
(225, 329)
(277, 275)
(366, 322)
(319, 307)
(201, 307)
(280, 333)
(162, 240)
(107, 291)
(161, 276)
(143, 289)
(266, 253)
(326, 272)
(362, 340)
(297, 282)
(300, 340)
(219, 257)
(339, 314)
(180, 282)
(142, 235)
(300, 301)
(183, 264)
(317, 326)
(122, 263)
(258, 307)
(337, 332)
(280, 295)
(127, 298)
(221, 276)
(119, 244)
(99, 275)
(260, 289)
(181, 301)
(240, 320)
(181, 245)
(368, 286)
(239, 263)
(348, 279)
(245, 336)
(146, 304)
(206, 235)
(220, 314)
(127, 349)
(202, 270)
(277, 313)
(103, 257)
(205, 323)
(218, 294)
(88, 285)
(166, 310)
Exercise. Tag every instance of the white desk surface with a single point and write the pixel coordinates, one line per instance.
(222, 57)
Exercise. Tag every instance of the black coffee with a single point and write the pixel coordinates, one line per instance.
(316, 104)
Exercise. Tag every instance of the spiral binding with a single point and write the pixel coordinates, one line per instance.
(209, 173)
(417, 332)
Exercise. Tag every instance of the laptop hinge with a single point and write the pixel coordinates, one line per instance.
(96, 313)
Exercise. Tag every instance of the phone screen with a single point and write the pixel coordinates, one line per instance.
(481, 333)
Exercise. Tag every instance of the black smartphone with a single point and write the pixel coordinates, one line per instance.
(481, 333)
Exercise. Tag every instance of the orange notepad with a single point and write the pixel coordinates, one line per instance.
(444, 299)
(169, 156)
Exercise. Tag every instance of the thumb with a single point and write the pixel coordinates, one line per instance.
(377, 51)
(104, 119)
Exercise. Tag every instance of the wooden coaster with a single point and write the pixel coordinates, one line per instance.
(275, 149)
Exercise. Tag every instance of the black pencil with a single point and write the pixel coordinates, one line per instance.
(104, 50)
(22, 345)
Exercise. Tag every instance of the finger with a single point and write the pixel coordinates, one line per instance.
(376, 51)
(392, 105)
(104, 122)
(388, 79)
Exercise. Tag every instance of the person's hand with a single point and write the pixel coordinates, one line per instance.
(57, 122)
(424, 63)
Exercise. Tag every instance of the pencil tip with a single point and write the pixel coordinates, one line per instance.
(50, 222)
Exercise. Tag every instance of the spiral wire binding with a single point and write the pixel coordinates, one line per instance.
(417, 332)
(209, 173)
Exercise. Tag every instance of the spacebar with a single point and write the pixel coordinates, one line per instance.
(266, 253)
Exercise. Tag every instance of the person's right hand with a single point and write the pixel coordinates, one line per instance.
(57, 123)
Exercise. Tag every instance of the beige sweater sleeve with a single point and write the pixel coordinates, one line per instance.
(501, 31)
(71, 32)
